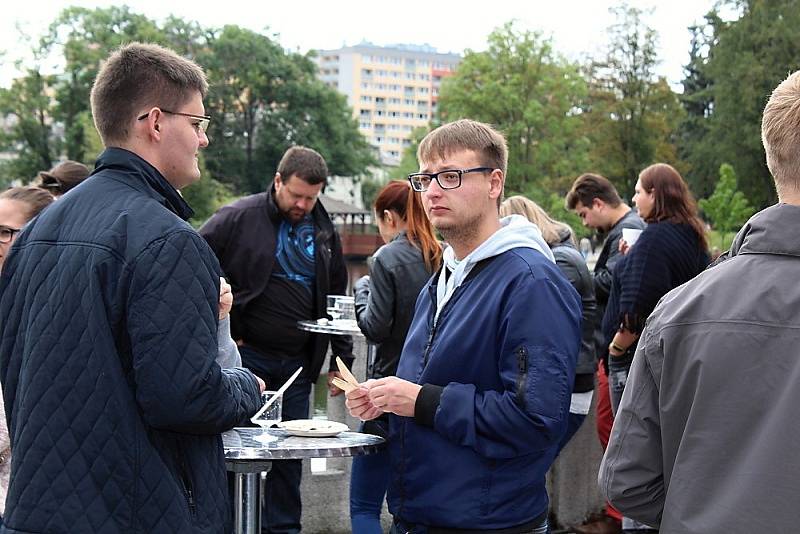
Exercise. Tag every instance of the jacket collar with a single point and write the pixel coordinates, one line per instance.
(770, 231)
(150, 180)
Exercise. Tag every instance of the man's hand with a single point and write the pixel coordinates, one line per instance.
(262, 387)
(359, 405)
(334, 391)
(225, 298)
(392, 394)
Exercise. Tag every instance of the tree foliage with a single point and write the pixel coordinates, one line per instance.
(631, 114)
(532, 95)
(262, 99)
(732, 76)
(726, 208)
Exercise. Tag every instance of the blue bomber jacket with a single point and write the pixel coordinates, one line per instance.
(497, 373)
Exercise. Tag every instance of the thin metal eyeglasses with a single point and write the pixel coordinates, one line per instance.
(7, 233)
(202, 125)
(447, 179)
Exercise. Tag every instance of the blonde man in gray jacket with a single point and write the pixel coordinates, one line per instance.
(707, 436)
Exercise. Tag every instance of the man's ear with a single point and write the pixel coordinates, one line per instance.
(496, 182)
(597, 203)
(277, 180)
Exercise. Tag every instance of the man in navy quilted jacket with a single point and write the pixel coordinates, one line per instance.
(481, 397)
(109, 333)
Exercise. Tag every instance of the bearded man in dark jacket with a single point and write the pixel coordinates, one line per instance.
(109, 334)
(283, 257)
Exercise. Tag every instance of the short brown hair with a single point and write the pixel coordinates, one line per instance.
(466, 134)
(305, 163)
(588, 187)
(780, 134)
(136, 76)
(34, 198)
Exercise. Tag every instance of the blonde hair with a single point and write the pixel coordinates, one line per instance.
(552, 230)
(780, 134)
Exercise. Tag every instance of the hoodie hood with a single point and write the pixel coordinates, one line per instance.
(515, 232)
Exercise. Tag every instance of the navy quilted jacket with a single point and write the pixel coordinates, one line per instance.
(107, 344)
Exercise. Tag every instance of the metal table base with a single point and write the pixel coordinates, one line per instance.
(247, 456)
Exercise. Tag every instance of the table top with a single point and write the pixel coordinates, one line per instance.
(276, 444)
(325, 326)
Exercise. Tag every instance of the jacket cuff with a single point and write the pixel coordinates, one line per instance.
(427, 403)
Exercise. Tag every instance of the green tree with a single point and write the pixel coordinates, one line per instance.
(245, 70)
(86, 37)
(206, 196)
(531, 94)
(631, 114)
(745, 60)
(28, 107)
(264, 101)
(697, 99)
(726, 208)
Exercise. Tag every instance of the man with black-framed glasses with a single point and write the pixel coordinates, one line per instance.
(483, 387)
(108, 342)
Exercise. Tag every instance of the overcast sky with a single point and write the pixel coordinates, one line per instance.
(577, 27)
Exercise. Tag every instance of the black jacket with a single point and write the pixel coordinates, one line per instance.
(603, 268)
(573, 265)
(243, 236)
(385, 305)
(107, 345)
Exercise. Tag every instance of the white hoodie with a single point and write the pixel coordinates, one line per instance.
(515, 232)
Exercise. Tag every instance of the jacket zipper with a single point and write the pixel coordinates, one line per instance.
(522, 365)
(187, 486)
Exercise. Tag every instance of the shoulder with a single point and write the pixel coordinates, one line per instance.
(249, 208)
(529, 265)
(396, 253)
(246, 204)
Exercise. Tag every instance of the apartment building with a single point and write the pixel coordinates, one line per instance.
(392, 89)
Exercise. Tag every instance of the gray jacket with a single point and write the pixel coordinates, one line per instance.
(573, 265)
(706, 439)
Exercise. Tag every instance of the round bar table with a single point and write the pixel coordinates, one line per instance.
(250, 451)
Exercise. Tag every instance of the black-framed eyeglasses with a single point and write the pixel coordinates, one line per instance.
(448, 179)
(202, 123)
(7, 233)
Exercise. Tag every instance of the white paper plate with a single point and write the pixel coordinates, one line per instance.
(313, 428)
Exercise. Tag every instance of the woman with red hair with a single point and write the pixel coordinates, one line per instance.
(385, 303)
